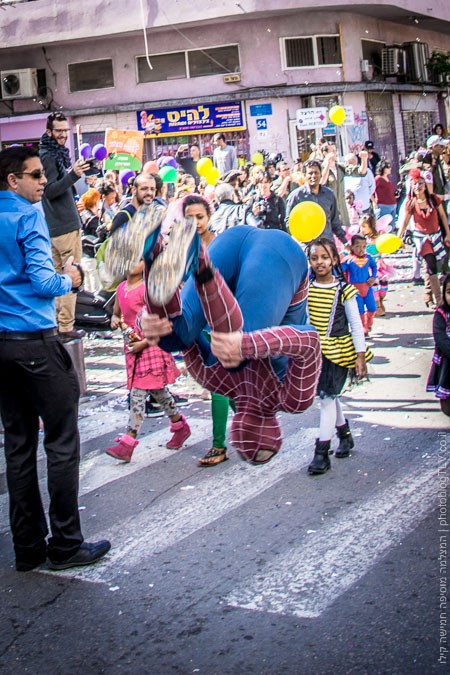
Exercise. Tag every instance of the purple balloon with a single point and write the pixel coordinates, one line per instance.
(161, 161)
(125, 175)
(171, 162)
(99, 151)
(85, 150)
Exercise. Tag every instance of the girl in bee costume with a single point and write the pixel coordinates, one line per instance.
(333, 312)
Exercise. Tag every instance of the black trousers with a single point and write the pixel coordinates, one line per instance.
(38, 380)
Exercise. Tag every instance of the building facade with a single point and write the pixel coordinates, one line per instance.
(259, 69)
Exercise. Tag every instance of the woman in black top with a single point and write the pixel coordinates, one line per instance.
(268, 208)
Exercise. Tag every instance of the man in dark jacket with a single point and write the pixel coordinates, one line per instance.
(61, 212)
(313, 191)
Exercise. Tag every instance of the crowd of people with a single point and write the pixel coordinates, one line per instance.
(263, 322)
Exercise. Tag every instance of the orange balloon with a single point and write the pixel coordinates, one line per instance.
(150, 167)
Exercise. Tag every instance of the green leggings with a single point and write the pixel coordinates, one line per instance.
(219, 412)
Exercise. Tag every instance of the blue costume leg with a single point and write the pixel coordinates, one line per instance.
(263, 269)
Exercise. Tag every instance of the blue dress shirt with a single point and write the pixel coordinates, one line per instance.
(28, 281)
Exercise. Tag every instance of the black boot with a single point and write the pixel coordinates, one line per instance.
(321, 461)
(346, 442)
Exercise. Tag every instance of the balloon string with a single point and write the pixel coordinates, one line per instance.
(144, 28)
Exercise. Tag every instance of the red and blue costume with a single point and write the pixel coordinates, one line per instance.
(358, 270)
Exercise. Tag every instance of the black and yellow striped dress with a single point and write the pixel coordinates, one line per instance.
(327, 315)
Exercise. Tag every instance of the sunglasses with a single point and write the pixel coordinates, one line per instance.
(35, 175)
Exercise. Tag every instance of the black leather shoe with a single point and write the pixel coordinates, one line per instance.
(68, 335)
(86, 555)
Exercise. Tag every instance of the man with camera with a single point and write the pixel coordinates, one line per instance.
(60, 211)
(269, 208)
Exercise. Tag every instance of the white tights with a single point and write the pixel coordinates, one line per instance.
(331, 416)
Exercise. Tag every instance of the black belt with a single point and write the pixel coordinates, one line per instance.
(35, 335)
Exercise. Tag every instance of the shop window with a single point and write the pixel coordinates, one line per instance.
(88, 75)
(319, 50)
(215, 61)
(155, 147)
(165, 67)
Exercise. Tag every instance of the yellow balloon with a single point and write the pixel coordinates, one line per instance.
(257, 158)
(307, 221)
(337, 115)
(212, 176)
(388, 243)
(204, 166)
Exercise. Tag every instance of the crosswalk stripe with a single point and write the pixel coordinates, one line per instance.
(98, 470)
(162, 525)
(90, 426)
(310, 576)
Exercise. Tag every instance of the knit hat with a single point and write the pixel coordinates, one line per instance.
(415, 174)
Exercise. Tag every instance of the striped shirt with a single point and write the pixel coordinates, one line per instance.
(328, 316)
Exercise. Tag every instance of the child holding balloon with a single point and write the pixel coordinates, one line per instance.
(368, 229)
(334, 313)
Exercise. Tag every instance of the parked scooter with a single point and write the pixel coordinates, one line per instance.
(93, 311)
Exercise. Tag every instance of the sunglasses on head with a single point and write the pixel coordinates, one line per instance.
(35, 175)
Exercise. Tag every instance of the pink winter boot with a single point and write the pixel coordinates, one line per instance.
(181, 431)
(124, 449)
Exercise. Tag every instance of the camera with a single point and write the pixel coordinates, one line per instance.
(261, 206)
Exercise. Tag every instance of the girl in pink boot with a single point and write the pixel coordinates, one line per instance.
(149, 369)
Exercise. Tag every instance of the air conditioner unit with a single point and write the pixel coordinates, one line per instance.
(19, 83)
(393, 61)
(417, 55)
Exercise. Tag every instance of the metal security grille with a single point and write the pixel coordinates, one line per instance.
(155, 147)
(381, 123)
(299, 52)
(417, 126)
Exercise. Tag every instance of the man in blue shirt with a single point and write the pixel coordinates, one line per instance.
(37, 376)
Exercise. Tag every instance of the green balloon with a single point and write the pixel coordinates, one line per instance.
(168, 174)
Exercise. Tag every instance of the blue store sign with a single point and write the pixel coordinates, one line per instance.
(261, 109)
(191, 119)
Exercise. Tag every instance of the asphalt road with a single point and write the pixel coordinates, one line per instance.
(252, 570)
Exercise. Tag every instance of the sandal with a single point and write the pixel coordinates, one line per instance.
(213, 457)
(261, 456)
